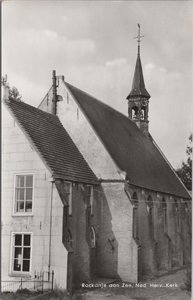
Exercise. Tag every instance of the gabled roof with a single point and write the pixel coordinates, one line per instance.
(52, 142)
(131, 150)
(138, 86)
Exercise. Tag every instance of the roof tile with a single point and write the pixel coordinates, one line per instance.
(53, 143)
(132, 151)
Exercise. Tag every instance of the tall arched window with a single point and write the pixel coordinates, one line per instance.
(188, 215)
(177, 215)
(164, 212)
(135, 216)
(150, 216)
(92, 237)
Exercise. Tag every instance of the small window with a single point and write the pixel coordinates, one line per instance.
(68, 192)
(23, 193)
(21, 258)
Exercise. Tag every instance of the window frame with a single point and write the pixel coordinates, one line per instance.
(12, 271)
(20, 214)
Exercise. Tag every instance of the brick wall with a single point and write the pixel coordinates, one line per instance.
(163, 247)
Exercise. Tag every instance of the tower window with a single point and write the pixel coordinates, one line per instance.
(143, 113)
(135, 111)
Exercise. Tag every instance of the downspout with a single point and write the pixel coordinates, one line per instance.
(50, 232)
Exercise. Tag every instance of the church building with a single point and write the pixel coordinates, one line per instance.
(88, 191)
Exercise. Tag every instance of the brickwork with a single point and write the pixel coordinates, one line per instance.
(161, 244)
(116, 249)
(164, 247)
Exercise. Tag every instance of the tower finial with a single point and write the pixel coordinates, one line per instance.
(138, 37)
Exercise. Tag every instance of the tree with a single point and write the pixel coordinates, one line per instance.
(14, 94)
(185, 171)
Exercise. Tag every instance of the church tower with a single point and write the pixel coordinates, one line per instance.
(138, 98)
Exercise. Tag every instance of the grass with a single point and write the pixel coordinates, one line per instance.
(19, 295)
(27, 294)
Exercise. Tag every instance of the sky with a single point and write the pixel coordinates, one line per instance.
(92, 44)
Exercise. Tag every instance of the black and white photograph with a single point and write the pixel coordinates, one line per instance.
(96, 150)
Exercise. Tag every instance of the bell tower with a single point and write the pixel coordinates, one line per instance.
(138, 98)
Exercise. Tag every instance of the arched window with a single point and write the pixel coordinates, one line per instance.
(150, 216)
(164, 211)
(135, 216)
(134, 111)
(143, 113)
(67, 239)
(188, 215)
(92, 237)
(177, 215)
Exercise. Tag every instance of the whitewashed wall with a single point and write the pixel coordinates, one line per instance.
(119, 206)
(18, 156)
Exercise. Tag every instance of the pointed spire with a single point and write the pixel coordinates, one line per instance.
(138, 86)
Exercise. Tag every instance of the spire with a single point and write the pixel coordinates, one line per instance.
(138, 86)
(138, 99)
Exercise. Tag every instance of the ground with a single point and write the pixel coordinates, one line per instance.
(172, 288)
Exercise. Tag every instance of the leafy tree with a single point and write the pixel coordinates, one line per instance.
(14, 94)
(185, 171)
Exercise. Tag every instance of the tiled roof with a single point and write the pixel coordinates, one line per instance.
(138, 86)
(132, 151)
(52, 142)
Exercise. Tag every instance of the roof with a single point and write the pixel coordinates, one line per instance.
(52, 142)
(131, 150)
(138, 86)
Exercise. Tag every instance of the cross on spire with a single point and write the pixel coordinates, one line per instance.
(138, 37)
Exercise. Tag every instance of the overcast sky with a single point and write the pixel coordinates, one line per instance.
(91, 43)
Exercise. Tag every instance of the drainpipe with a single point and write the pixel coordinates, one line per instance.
(50, 233)
(54, 100)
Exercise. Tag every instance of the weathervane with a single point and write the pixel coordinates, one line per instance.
(138, 37)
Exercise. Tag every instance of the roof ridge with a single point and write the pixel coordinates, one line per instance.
(101, 102)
